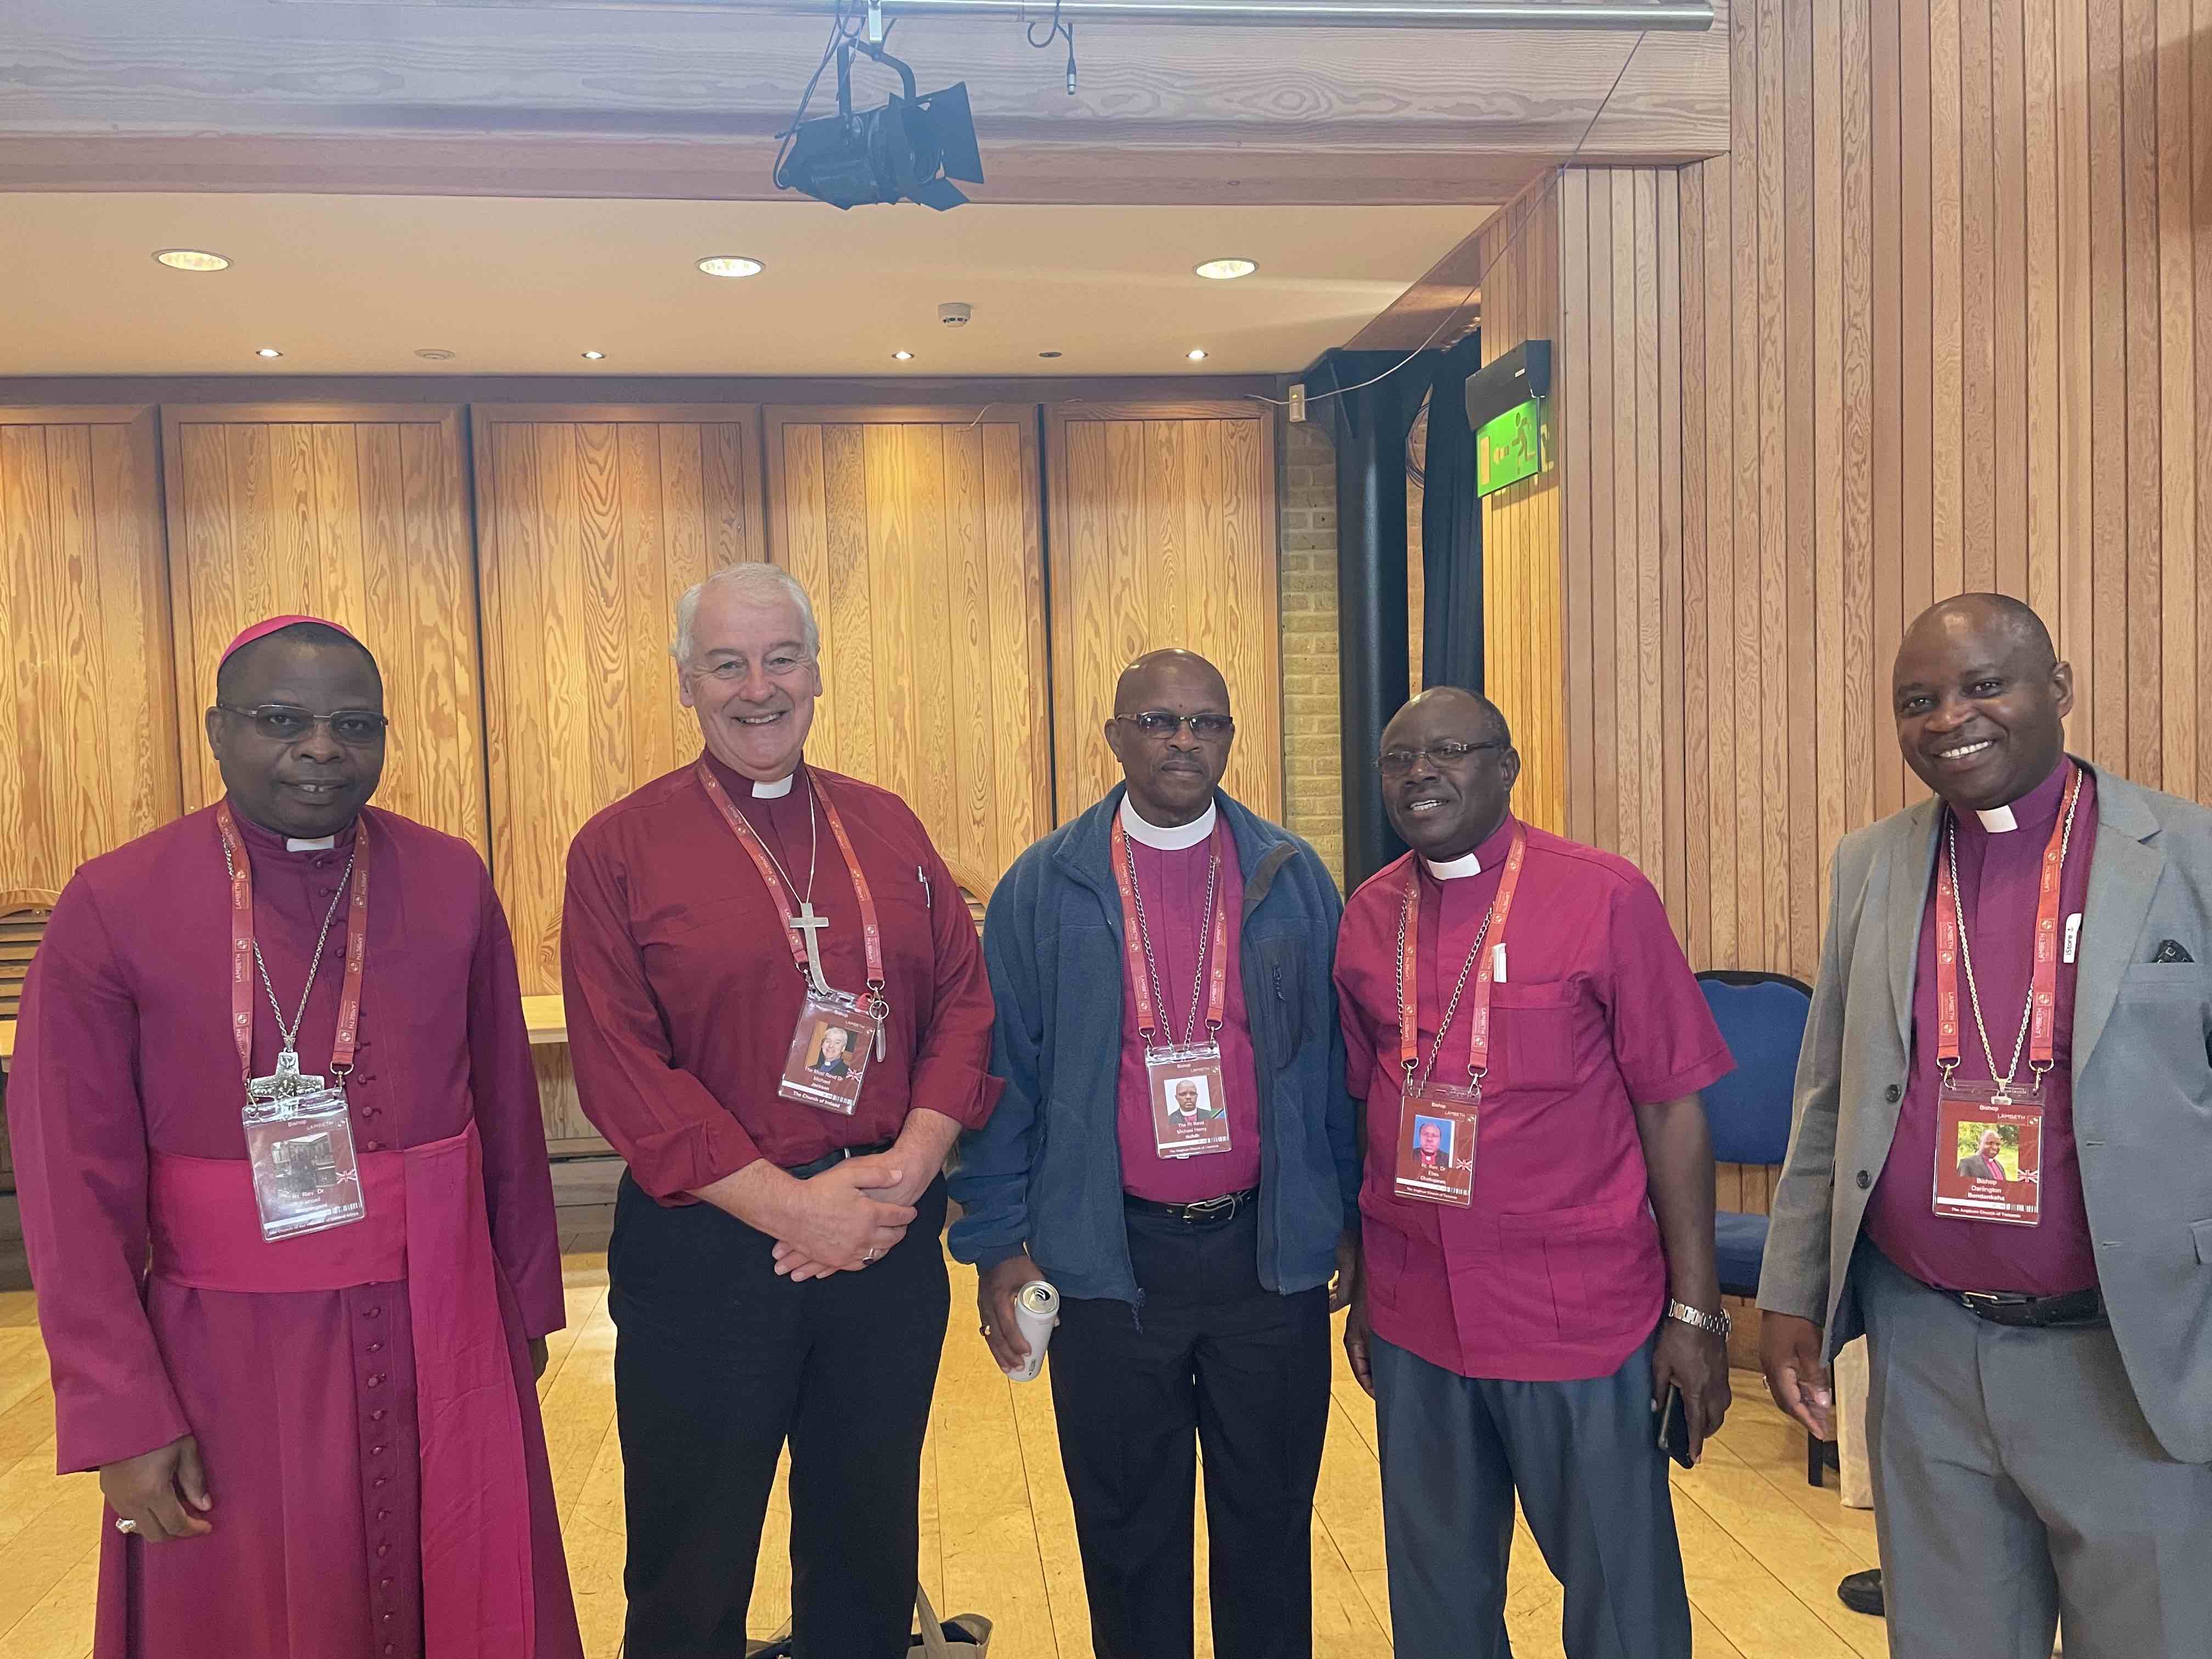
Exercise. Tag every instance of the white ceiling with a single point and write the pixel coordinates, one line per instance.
(356, 285)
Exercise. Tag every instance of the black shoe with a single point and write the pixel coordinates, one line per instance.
(1862, 1592)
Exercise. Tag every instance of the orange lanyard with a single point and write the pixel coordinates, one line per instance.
(2040, 1020)
(242, 952)
(870, 932)
(1492, 933)
(1137, 944)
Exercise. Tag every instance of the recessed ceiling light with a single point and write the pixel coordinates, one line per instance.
(1047, 353)
(594, 356)
(1196, 353)
(435, 354)
(267, 351)
(1223, 271)
(191, 258)
(902, 356)
(730, 265)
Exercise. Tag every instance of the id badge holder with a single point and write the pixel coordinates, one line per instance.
(1436, 1144)
(1989, 1152)
(831, 1049)
(1190, 1110)
(306, 1179)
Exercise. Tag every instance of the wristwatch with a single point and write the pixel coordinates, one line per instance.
(1719, 1323)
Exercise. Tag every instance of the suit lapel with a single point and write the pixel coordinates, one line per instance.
(2123, 874)
(1910, 866)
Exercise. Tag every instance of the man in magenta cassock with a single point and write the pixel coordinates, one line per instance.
(304, 1378)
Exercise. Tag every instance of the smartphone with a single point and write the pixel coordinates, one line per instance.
(1674, 1428)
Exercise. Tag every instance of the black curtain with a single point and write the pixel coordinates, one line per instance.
(1451, 530)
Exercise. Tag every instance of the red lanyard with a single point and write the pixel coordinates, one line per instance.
(1409, 991)
(1137, 945)
(2042, 993)
(241, 948)
(871, 934)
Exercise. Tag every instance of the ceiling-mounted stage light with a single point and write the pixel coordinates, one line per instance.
(910, 150)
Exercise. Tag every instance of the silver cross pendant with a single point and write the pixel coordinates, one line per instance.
(287, 1083)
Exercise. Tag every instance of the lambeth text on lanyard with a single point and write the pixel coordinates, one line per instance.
(1190, 1107)
(838, 1032)
(299, 1136)
(1437, 1121)
(1989, 1139)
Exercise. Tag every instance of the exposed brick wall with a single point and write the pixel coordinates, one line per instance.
(1313, 772)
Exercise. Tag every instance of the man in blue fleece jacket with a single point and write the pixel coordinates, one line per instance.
(1169, 946)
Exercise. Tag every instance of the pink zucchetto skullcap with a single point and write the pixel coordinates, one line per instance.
(274, 624)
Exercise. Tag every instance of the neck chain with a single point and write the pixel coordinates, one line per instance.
(1451, 1008)
(290, 1035)
(1205, 944)
(813, 849)
(1967, 950)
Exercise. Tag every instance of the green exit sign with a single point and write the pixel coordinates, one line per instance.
(1516, 445)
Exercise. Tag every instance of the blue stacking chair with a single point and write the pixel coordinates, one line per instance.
(1762, 1015)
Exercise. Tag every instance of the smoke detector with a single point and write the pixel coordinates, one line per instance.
(955, 313)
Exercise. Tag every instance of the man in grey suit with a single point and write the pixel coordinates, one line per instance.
(2039, 1421)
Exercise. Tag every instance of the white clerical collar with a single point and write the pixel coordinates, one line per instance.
(1170, 839)
(1998, 820)
(294, 844)
(1456, 869)
(775, 791)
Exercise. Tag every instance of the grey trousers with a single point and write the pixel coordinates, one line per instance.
(2013, 1478)
(1592, 1482)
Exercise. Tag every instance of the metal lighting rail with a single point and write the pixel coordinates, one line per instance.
(1659, 15)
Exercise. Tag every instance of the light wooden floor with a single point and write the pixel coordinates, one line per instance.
(1763, 1550)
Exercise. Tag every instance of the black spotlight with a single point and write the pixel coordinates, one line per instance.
(910, 150)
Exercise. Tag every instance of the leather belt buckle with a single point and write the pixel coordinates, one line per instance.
(1210, 1209)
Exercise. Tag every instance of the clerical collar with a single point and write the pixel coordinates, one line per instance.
(1487, 856)
(1172, 839)
(776, 790)
(2036, 809)
(294, 844)
(262, 839)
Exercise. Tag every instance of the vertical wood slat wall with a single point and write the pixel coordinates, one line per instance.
(357, 514)
(1940, 320)
(916, 534)
(1164, 533)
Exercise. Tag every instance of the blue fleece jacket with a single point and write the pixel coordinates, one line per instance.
(1046, 1171)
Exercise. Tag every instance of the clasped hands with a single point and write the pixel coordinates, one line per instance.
(849, 1215)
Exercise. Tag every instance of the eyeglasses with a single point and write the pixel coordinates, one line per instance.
(279, 722)
(1160, 723)
(1397, 762)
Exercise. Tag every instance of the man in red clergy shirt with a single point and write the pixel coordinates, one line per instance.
(1520, 1338)
(326, 1445)
(775, 1273)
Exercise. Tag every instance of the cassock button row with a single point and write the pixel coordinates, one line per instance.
(376, 1451)
(372, 1313)
(377, 1381)
(383, 1481)
(377, 1416)
(376, 1347)
(372, 1146)
(384, 1515)
(382, 1550)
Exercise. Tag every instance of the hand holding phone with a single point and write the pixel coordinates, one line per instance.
(1674, 1428)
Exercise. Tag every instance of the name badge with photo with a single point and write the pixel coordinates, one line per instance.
(305, 1175)
(1436, 1144)
(830, 1051)
(1989, 1153)
(1190, 1109)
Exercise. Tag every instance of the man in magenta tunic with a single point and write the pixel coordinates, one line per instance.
(1519, 1314)
(327, 1445)
(775, 1275)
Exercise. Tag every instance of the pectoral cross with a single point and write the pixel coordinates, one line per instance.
(807, 923)
(287, 1082)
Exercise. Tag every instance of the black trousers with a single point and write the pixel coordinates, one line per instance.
(1211, 1351)
(717, 1363)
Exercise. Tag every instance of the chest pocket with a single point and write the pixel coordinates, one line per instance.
(1277, 1017)
(1533, 1039)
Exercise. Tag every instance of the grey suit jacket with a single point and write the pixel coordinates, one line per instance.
(2143, 1088)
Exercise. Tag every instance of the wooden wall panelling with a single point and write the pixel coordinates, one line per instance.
(917, 533)
(358, 512)
(1162, 534)
(89, 757)
(592, 522)
(1954, 318)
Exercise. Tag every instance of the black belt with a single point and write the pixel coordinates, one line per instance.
(831, 1160)
(2001, 1308)
(1206, 1212)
